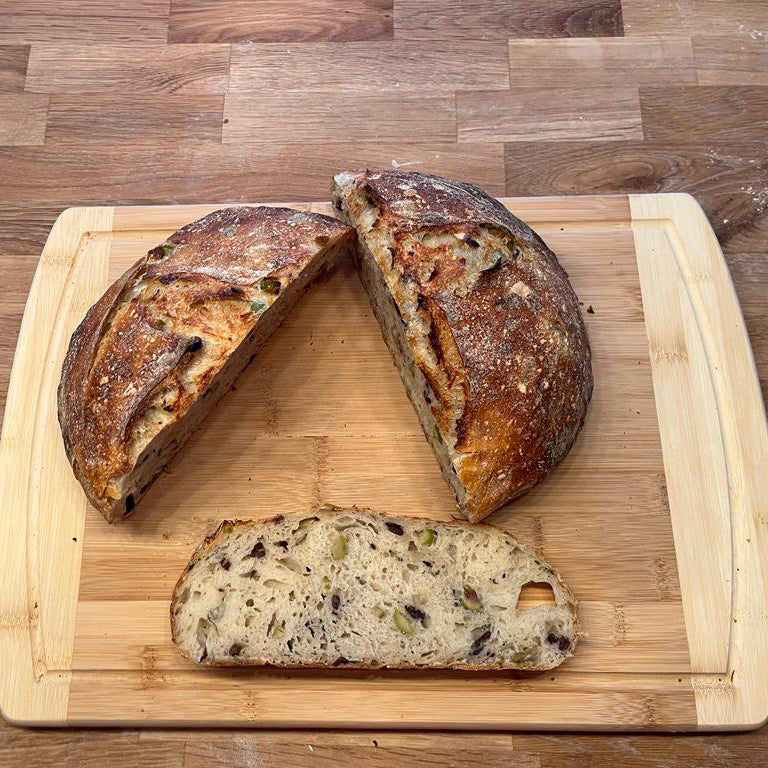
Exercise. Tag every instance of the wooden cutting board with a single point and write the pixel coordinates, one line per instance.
(656, 519)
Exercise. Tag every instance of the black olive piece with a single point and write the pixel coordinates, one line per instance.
(249, 602)
(335, 602)
(415, 613)
(130, 503)
(471, 241)
(373, 546)
(341, 660)
(225, 564)
(278, 519)
(252, 574)
(167, 279)
(427, 563)
(283, 544)
(395, 528)
(235, 649)
(195, 343)
(337, 205)
(564, 644)
(258, 551)
(477, 646)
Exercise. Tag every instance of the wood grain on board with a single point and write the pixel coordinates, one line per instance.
(395, 66)
(706, 142)
(502, 19)
(204, 21)
(549, 114)
(656, 615)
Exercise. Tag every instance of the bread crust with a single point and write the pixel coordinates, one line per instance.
(330, 511)
(149, 348)
(506, 341)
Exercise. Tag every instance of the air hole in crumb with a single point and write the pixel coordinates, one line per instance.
(535, 593)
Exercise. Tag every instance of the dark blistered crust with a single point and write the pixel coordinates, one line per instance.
(515, 343)
(227, 526)
(133, 343)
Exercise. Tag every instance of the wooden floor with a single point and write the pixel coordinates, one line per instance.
(182, 101)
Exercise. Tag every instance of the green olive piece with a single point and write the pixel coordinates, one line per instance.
(339, 548)
(379, 612)
(257, 307)
(326, 586)
(279, 630)
(228, 231)
(270, 285)
(328, 507)
(167, 248)
(521, 655)
(471, 600)
(427, 537)
(403, 623)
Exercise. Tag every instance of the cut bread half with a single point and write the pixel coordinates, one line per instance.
(483, 325)
(166, 341)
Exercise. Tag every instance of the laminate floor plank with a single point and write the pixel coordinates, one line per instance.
(733, 60)
(22, 119)
(13, 67)
(589, 62)
(705, 113)
(268, 21)
(316, 118)
(549, 114)
(129, 174)
(715, 17)
(84, 21)
(445, 66)
(502, 19)
(147, 120)
(133, 69)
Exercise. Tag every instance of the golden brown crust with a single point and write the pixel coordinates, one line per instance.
(139, 349)
(226, 526)
(509, 336)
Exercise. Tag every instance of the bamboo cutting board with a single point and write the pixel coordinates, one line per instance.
(656, 519)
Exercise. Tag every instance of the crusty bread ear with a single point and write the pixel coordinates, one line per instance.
(348, 587)
(166, 341)
(482, 323)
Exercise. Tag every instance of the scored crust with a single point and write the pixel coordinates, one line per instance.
(174, 330)
(487, 334)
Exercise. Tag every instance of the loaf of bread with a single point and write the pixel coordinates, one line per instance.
(348, 587)
(483, 325)
(166, 340)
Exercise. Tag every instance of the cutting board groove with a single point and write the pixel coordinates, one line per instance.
(657, 518)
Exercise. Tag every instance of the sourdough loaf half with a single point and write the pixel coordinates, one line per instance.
(483, 325)
(166, 340)
(348, 587)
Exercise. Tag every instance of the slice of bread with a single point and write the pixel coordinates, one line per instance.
(167, 339)
(482, 324)
(349, 587)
